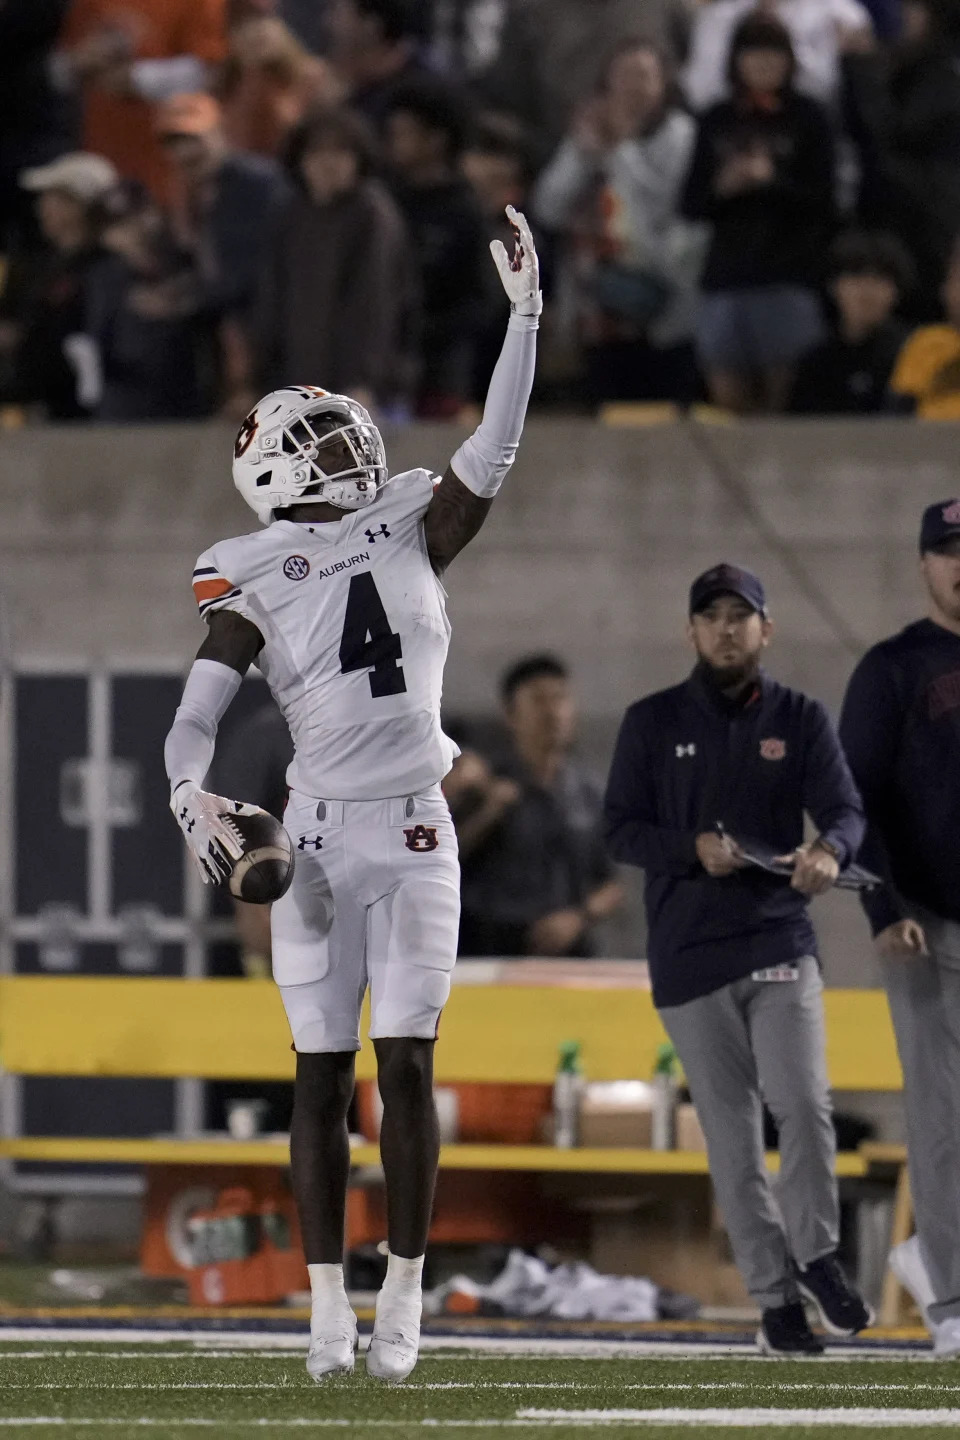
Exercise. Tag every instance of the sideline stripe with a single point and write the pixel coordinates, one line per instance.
(477, 1346)
(693, 1388)
(752, 1418)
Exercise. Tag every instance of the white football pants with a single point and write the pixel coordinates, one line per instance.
(375, 900)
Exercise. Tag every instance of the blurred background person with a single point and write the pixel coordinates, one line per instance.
(551, 54)
(37, 122)
(848, 374)
(817, 28)
(926, 378)
(223, 211)
(426, 131)
(536, 876)
(762, 175)
(338, 296)
(612, 191)
(122, 57)
(268, 83)
(903, 112)
(376, 45)
(145, 315)
(45, 356)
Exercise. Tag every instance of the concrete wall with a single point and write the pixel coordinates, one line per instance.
(589, 551)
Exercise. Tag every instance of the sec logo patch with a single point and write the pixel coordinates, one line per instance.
(772, 749)
(296, 567)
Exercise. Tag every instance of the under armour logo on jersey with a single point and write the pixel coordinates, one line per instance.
(421, 838)
(316, 841)
(681, 750)
(374, 535)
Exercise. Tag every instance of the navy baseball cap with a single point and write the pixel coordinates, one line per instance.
(941, 522)
(728, 580)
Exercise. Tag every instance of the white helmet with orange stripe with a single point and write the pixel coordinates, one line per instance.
(303, 445)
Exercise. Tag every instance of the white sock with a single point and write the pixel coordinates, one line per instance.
(326, 1287)
(404, 1277)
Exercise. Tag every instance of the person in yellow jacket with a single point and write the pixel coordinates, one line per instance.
(927, 373)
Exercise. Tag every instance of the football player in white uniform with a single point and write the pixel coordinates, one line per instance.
(339, 601)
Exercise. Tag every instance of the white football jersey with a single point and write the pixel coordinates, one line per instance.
(355, 637)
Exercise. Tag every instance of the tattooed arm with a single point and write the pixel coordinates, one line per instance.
(453, 517)
(463, 498)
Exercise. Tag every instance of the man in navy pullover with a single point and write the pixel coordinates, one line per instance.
(731, 754)
(901, 730)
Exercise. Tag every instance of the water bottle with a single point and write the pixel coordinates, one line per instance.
(663, 1136)
(567, 1092)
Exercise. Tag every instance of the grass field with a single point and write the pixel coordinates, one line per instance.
(225, 1389)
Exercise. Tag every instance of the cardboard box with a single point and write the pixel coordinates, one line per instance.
(689, 1133)
(618, 1114)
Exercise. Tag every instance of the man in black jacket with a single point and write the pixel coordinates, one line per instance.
(732, 952)
(901, 730)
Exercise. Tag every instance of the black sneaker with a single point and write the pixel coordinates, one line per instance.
(784, 1331)
(842, 1309)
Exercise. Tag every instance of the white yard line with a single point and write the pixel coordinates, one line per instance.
(752, 1418)
(693, 1387)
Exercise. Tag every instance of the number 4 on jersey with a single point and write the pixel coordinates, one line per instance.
(367, 642)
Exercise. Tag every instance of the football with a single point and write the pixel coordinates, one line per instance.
(265, 869)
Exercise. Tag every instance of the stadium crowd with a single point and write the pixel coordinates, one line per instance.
(752, 203)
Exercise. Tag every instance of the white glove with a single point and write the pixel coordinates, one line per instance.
(212, 839)
(521, 272)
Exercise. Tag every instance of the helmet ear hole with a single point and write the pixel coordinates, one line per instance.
(264, 479)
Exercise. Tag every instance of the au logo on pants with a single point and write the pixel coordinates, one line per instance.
(421, 838)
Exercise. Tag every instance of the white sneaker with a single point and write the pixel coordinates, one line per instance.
(906, 1262)
(395, 1343)
(946, 1337)
(333, 1343)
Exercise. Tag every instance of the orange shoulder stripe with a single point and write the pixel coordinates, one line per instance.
(211, 589)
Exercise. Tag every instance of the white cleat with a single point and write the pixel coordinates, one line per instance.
(906, 1262)
(395, 1343)
(946, 1337)
(333, 1344)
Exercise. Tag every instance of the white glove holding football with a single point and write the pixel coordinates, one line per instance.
(520, 272)
(213, 841)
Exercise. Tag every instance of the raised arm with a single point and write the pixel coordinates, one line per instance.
(476, 472)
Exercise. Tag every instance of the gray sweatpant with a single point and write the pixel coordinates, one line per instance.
(765, 1038)
(924, 996)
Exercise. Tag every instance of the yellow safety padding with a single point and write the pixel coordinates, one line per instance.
(236, 1029)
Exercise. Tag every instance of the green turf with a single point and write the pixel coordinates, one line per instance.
(95, 1383)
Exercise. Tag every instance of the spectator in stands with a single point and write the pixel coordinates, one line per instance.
(552, 52)
(817, 29)
(269, 82)
(36, 122)
(339, 290)
(536, 877)
(498, 167)
(145, 315)
(850, 372)
(904, 114)
(926, 378)
(375, 46)
(44, 356)
(762, 174)
(224, 209)
(123, 56)
(426, 132)
(612, 189)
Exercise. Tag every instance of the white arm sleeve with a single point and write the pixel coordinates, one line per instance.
(483, 460)
(189, 746)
